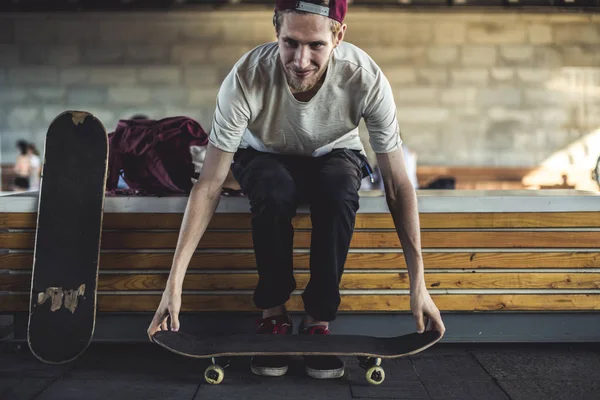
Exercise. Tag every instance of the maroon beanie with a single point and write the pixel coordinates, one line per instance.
(336, 10)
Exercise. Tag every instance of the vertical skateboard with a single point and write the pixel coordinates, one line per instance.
(62, 307)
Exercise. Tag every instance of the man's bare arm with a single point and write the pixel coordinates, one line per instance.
(402, 202)
(202, 203)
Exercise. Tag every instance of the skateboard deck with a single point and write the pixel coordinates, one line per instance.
(364, 347)
(67, 242)
(302, 345)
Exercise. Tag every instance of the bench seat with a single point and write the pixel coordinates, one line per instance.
(483, 251)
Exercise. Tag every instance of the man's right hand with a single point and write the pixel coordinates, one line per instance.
(202, 203)
(169, 306)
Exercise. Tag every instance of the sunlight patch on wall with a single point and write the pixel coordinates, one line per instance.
(572, 166)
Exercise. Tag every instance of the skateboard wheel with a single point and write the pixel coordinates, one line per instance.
(375, 375)
(214, 374)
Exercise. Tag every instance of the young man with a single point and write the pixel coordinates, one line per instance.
(289, 111)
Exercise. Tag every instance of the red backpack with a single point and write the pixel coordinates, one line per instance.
(153, 156)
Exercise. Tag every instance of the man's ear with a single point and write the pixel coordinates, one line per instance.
(340, 35)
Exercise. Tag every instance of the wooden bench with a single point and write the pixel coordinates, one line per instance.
(475, 261)
(472, 177)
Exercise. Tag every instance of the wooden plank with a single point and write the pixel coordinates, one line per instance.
(487, 280)
(363, 221)
(493, 260)
(363, 303)
(350, 281)
(132, 221)
(16, 261)
(173, 221)
(234, 261)
(18, 220)
(510, 220)
(14, 303)
(371, 240)
(350, 303)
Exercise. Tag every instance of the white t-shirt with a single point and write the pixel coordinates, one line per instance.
(255, 107)
(34, 178)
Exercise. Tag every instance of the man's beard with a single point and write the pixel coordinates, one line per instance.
(298, 85)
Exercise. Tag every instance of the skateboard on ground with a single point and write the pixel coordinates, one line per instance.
(369, 350)
(62, 306)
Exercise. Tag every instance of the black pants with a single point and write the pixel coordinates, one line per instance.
(276, 185)
(21, 182)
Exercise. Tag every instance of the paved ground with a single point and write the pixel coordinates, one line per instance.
(145, 371)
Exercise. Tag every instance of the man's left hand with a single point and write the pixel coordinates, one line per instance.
(425, 312)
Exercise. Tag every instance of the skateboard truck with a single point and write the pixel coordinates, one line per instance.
(375, 374)
(214, 373)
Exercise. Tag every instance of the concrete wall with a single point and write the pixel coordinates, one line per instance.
(505, 89)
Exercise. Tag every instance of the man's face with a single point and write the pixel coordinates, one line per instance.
(305, 46)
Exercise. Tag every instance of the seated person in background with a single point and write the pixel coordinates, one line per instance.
(22, 168)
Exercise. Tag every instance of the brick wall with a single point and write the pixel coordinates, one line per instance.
(503, 88)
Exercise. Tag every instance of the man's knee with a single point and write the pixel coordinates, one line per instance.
(341, 173)
(342, 185)
(273, 193)
(339, 187)
(274, 197)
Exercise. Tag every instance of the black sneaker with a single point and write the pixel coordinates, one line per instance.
(272, 365)
(321, 367)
